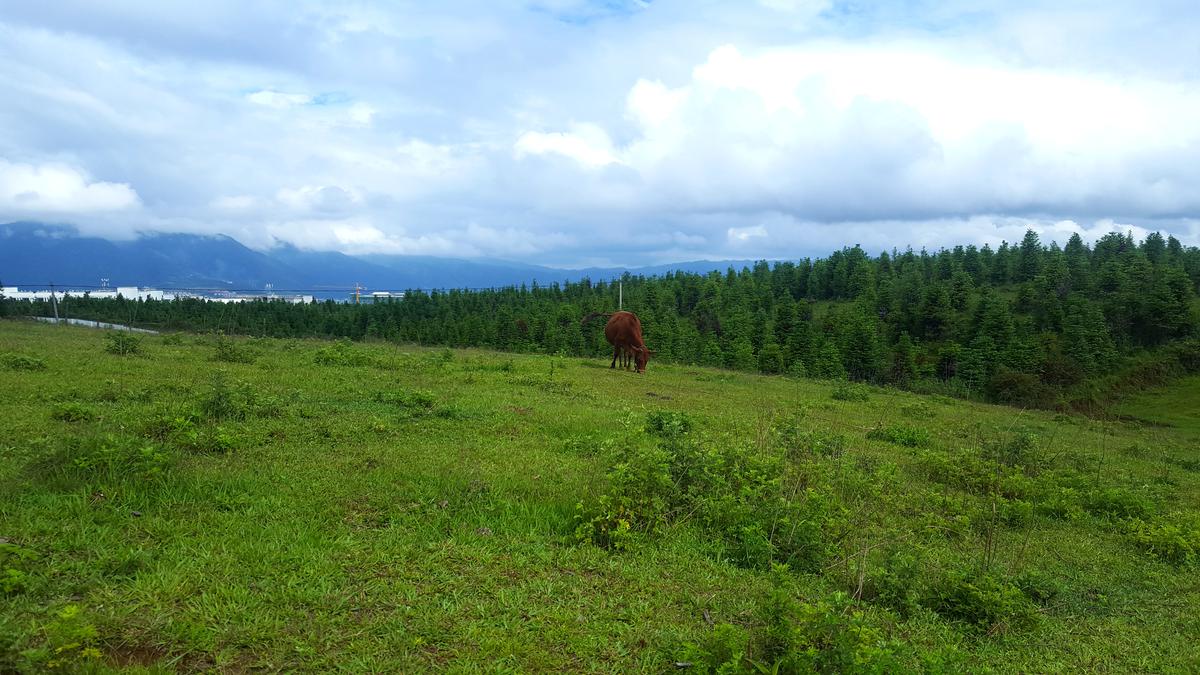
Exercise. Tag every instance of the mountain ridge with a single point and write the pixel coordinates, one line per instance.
(38, 254)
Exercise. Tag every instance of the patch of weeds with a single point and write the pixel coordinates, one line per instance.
(417, 401)
(1119, 503)
(907, 435)
(208, 440)
(228, 351)
(978, 475)
(70, 644)
(668, 423)
(828, 636)
(172, 339)
(755, 504)
(239, 402)
(918, 411)
(122, 343)
(983, 601)
(1019, 449)
(849, 391)
(21, 362)
(72, 412)
(108, 455)
(723, 650)
(1039, 587)
(341, 353)
(798, 443)
(1189, 465)
(590, 445)
(1175, 541)
(545, 383)
(15, 564)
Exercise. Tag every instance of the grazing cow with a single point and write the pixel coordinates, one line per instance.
(624, 332)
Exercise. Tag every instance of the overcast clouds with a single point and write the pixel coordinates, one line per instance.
(607, 132)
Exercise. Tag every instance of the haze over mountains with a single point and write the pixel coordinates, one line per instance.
(36, 254)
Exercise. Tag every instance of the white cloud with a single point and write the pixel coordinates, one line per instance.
(587, 144)
(277, 99)
(744, 234)
(59, 188)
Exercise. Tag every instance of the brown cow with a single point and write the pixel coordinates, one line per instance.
(624, 333)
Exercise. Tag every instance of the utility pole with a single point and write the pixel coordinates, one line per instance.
(620, 295)
(357, 288)
(54, 302)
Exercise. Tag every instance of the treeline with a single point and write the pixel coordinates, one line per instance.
(1022, 323)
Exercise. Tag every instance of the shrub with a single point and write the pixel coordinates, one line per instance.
(172, 339)
(847, 391)
(1017, 450)
(14, 568)
(1120, 503)
(917, 411)
(829, 636)
(908, 435)
(798, 443)
(982, 601)
(1174, 541)
(668, 423)
(70, 644)
(239, 402)
(640, 496)
(341, 353)
(72, 412)
(723, 650)
(113, 455)
(228, 351)
(123, 343)
(21, 362)
(413, 401)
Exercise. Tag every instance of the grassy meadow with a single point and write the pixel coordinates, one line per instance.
(197, 503)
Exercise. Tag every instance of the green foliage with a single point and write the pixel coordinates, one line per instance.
(122, 343)
(668, 423)
(72, 412)
(850, 392)
(228, 351)
(341, 353)
(21, 362)
(16, 563)
(1176, 541)
(416, 401)
(908, 435)
(108, 455)
(828, 636)
(984, 601)
(70, 643)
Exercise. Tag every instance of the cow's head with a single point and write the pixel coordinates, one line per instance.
(640, 356)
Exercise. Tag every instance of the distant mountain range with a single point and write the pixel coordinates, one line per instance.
(36, 254)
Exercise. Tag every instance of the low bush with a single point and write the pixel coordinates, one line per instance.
(848, 391)
(798, 443)
(21, 362)
(109, 456)
(122, 343)
(1175, 541)
(70, 644)
(416, 401)
(341, 353)
(907, 435)
(15, 568)
(983, 601)
(228, 351)
(668, 423)
(829, 636)
(72, 412)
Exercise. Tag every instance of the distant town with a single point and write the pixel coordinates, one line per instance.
(143, 293)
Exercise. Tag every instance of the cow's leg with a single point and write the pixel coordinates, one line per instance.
(616, 352)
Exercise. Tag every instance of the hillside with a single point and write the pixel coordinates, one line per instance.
(287, 504)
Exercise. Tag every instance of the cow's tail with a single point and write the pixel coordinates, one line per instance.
(593, 315)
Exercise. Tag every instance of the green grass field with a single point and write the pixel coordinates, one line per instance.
(1176, 406)
(304, 505)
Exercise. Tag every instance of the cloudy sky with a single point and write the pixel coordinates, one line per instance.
(572, 132)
